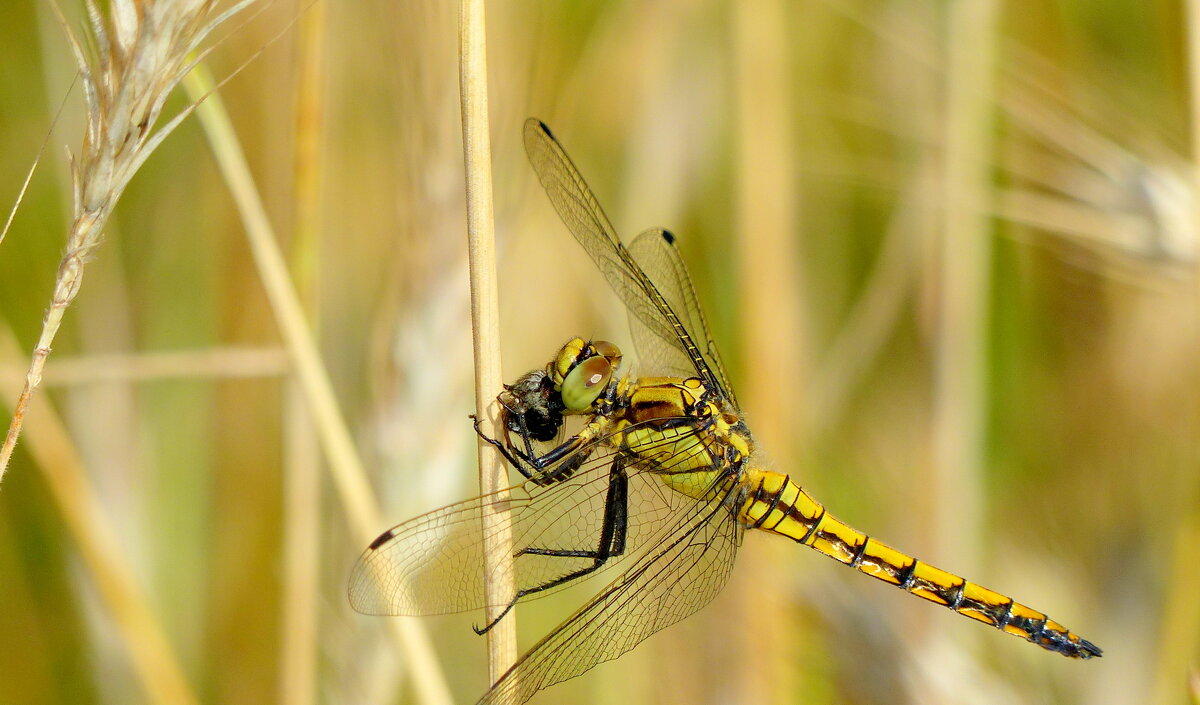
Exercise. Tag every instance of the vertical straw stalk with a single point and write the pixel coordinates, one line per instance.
(1179, 636)
(960, 364)
(773, 345)
(345, 467)
(301, 478)
(485, 325)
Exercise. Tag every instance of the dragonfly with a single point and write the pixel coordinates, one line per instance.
(655, 490)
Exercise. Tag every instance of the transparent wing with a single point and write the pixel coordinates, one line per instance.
(672, 579)
(655, 250)
(581, 212)
(435, 563)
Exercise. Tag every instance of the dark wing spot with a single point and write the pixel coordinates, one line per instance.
(669, 237)
(545, 128)
(380, 540)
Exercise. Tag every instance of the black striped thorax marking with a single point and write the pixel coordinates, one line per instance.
(650, 398)
(676, 402)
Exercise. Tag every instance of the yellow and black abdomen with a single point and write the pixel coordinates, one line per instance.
(780, 506)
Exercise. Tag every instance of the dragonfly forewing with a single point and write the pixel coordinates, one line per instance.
(434, 563)
(656, 252)
(667, 582)
(580, 211)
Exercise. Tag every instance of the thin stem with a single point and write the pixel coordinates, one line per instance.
(349, 476)
(218, 362)
(302, 471)
(485, 324)
(1179, 646)
(960, 375)
(138, 60)
(771, 311)
(154, 660)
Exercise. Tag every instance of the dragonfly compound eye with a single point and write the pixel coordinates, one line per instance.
(585, 382)
(610, 352)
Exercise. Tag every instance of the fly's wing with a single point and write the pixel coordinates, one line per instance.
(672, 579)
(435, 563)
(655, 250)
(580, 211)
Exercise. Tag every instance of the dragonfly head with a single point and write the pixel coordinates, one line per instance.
(570, 384)
(531, 406)
(582, 370)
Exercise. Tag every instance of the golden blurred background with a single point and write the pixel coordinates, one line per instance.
(949, 249)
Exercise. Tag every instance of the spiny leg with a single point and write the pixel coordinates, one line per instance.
(529, 459)
(518, 461)
(612, 542)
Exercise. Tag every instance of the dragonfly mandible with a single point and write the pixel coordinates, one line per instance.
(656, 489)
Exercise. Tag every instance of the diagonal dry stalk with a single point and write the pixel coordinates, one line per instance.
(126, 606)
(130, 61)
(345, 466)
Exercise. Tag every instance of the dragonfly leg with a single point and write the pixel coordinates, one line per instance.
(530, 464)
(612, 542)
(520, 463)
(530, 456)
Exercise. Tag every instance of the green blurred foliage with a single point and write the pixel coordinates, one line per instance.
(1089, 465)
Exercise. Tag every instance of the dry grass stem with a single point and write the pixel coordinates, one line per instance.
(141, 52)
(485, 323)
(960, 361)
(218, 362)
(301, 563)
(1115, 198)
(765, 215)
(965, 261)
(349, 475)
(1179, 649)
(298, 681)
(875, 313)
(60, 463)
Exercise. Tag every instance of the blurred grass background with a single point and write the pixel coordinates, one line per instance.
(949, 250)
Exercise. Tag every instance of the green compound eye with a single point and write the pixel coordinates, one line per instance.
(584, 383)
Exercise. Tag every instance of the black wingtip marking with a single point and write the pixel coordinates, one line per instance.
(669, 237)
(545, 128)
(380, 540)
